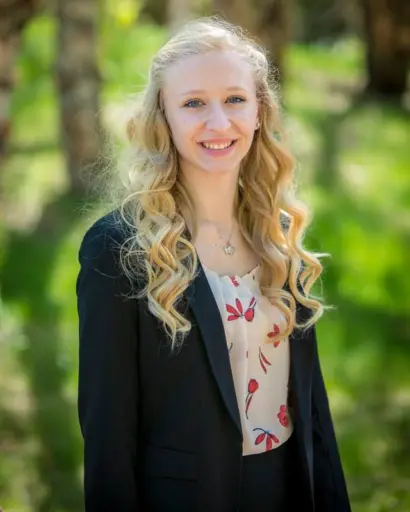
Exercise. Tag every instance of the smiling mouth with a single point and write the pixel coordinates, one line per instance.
(214, 146)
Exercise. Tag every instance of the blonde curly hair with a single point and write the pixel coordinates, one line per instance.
(272, 220)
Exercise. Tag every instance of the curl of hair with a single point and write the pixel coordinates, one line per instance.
(271, 218)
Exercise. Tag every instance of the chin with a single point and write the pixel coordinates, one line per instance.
(220, 169)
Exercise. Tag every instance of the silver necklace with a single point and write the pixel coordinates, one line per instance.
(228, 248)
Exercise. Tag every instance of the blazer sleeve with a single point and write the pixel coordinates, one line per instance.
(107, 382)
(329, 482)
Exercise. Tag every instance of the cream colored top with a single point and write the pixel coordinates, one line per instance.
(260, 370)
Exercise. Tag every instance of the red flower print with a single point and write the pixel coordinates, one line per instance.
(263, 361)
(237, 312)
(247, 404)
(274, 333)
(260, 438)
(250, 312)
(234, 280)
(283, 416)
(253, 386)
(270, 439)
(239, 306)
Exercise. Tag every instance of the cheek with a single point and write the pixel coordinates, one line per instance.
(246, 120)
(182, 127)
(183, 135)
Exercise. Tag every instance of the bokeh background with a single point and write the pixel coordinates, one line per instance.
(68, 70)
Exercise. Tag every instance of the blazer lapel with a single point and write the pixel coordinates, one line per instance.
(205, 309)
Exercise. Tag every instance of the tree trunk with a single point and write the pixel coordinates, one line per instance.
(179, 11)
(387, 33)
(324, 20)
(155, 11)
(52, 418)
(8, 50)
(268, 20)
(14, 15)
(78, 83)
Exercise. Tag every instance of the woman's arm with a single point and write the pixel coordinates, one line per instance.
(330, 486)
(107, 386)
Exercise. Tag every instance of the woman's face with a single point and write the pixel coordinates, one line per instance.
(211, 107)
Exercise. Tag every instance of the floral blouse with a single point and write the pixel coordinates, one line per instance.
(260, 368)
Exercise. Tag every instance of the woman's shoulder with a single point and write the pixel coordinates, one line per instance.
(107, 233)
(104, 238)
(100, 250)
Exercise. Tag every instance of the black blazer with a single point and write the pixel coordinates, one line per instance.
(162, 433)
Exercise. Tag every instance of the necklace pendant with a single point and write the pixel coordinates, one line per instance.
(229, 249)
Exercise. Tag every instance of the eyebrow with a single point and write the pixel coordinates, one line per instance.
(201, 91)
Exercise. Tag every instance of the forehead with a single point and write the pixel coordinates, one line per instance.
(209, 72)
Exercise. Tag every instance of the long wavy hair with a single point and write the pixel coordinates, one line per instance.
(272, 220)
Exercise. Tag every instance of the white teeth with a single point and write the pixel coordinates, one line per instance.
(217, 146)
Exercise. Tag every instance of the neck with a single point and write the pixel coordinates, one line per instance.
(213, 198)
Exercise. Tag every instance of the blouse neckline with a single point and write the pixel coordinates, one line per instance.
(230, 276)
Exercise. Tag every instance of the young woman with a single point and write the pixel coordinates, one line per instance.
(200, 387)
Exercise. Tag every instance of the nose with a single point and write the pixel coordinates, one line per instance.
(218, 119)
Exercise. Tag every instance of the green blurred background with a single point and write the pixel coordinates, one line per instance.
(68, 70)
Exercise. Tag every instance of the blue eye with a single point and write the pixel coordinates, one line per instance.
(236, 98)
(192, 103)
